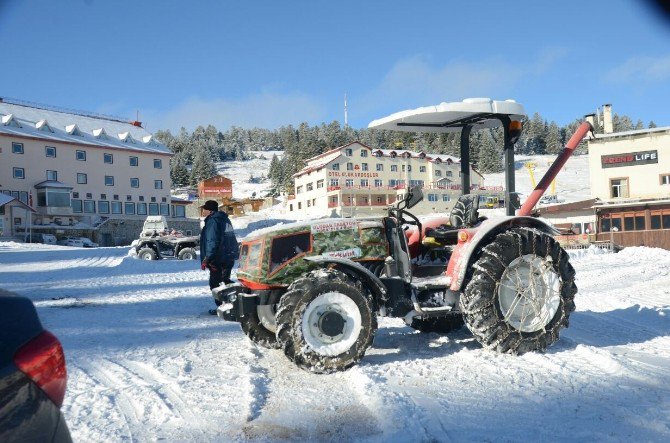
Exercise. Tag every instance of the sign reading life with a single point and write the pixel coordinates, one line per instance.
(629, 159)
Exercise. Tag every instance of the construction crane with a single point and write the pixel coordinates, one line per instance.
(531, 171)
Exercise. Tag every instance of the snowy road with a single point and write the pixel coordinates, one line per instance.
(146, 362)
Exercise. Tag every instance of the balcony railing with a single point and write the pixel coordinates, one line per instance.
(434, 185)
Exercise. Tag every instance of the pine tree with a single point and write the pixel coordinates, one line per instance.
(179, 173)
(652, 124)
(490, 157)
(203, 168)
(553, 141)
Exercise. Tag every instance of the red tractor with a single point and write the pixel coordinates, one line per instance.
(314, 289)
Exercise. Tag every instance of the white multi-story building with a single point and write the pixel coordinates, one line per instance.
(355, 180)
(76, 169)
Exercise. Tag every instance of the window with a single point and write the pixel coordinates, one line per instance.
(449, 174)
(89, 195)
(422, 169)
(665, 179)
(378, 183)
(81, 156)
(141, 209)
(134, 182)
(82, 179)
(380, 167)
(109, 180)
(438, 173)
(348, 152)
(153, 208)
(298, 189)
(403, 168)
(364, 166)
(319, 184)
(165, 209)
(153, 199)
(17, 148)
(350, 166)
(409, 168)
(19, 173)
(52, 175)
(103, 207)
(129, 208)
(141, 198)
(446, 197)
(334, 182)
(158, 163)
(89, 207)
(309, 187)
(108, 158)
(618, 187)
(116, 207)
(285, 249)
(103, 196)
(129, 198)
(158, 184)
(365, 183)
(76, 206)
(50, 151)
(134, 161)
(364, 152)
(432, 197)
(75, 195)
(180, 210)
(336, 166)
(349, 182)
(299, 205)
(394, 168)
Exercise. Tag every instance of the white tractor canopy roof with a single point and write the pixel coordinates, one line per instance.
(451, 117)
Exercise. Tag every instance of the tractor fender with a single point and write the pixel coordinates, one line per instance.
(372, 281)
(464, 254)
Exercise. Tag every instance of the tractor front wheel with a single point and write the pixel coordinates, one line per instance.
(326, 321)
(259, 331)
(521, 292)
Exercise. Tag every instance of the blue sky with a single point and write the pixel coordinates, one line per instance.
(271, 63)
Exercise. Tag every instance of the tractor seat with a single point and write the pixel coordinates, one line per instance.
(464, 214)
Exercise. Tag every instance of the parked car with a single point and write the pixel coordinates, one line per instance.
(71, 241)
(47, 239)
(32, 376)
(88, 243)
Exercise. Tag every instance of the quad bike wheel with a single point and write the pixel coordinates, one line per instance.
(521, 292)
(326, 321)
(187, 254)
(260, 326)
(147, 254)
(441, 325)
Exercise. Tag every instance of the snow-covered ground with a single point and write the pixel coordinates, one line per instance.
(241, 172)
(146, 362)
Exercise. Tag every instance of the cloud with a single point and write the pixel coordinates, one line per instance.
(548, 58)
(641, 69)
(264, 110)
(414, 82)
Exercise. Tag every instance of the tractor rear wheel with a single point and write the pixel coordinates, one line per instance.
(521, 292)
(326, 321)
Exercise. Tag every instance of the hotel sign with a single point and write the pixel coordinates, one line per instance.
(630, 159)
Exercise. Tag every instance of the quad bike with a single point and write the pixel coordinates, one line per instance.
(315, 289)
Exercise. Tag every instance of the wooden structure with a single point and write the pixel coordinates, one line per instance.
(636, 223)
(215, 188)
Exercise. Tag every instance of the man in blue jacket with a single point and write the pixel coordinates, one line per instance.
(218, 246)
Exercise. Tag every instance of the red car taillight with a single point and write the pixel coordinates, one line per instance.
(42, 359)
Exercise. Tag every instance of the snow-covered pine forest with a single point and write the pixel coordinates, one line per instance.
(197, 152)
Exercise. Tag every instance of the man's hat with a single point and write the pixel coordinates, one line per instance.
(210, 205)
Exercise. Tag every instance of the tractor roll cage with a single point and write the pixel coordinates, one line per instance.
(466, 125)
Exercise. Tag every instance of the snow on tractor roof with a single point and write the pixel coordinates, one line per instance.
(451, 117)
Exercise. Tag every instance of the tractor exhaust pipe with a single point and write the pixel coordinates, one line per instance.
(553, 171)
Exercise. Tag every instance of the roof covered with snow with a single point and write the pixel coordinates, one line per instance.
(4, 199)
(451, 117)
(69, 127)
(632, 133)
